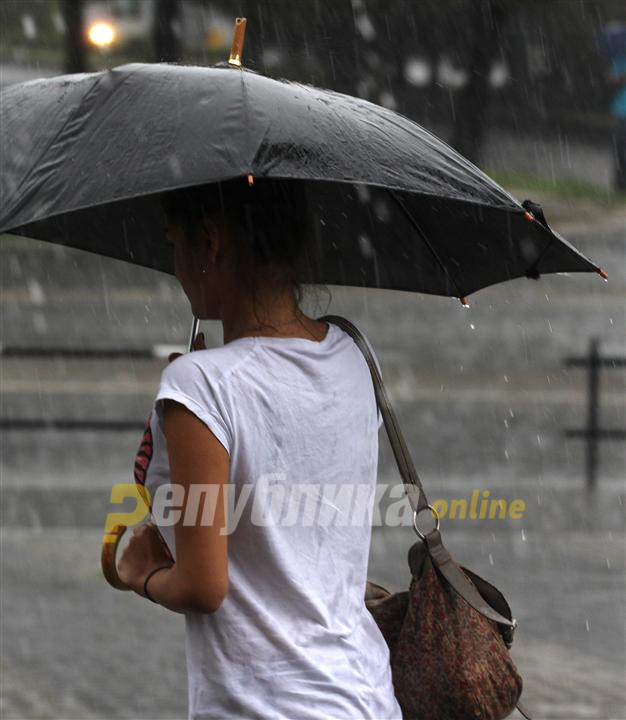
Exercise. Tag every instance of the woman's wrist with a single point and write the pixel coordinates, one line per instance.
(148, 576)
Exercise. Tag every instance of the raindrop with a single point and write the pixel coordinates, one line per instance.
(417, 71)
(388, 100)
(271, 57)
(506, 379)
(29, 27)
(473, 326)
(506, 454)
(549, 325)
(490, 559)
(587, 624)
(382, 211)
(37, 295)
(364, 26)
(511, 412)
(499, 74)
(365, 246)
(363, 193)
(57, 22)
(449, 76)
(506, 423)
(523, 535)
(528, 249)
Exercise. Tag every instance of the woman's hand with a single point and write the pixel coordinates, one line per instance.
(198, 344)
(144, 553)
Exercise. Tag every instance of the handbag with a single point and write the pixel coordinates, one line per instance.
(449, 634)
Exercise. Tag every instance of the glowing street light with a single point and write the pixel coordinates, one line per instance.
(101, 34)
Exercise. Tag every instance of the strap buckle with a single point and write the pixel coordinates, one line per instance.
(433, 512)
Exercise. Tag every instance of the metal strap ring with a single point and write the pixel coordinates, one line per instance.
(433, 512)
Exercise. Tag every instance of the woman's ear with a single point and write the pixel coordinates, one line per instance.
(211, 242)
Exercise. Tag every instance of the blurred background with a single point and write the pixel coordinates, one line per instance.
(522, 395)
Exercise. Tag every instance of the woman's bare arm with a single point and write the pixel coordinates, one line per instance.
(198, 581)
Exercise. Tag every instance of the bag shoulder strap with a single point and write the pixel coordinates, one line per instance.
(401, 452)
(440, 556)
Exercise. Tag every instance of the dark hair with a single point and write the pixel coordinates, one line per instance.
(269, 217)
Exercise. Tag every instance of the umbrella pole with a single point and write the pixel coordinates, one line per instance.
(194, 331)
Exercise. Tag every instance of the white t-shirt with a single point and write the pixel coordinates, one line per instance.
(292, 638)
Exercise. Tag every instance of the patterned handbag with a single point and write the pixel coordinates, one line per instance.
(449, 635)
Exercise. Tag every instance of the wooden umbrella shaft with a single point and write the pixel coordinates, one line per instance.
(236, 50)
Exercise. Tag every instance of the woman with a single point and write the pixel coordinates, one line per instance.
(282, 416)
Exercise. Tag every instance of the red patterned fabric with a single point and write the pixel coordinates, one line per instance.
(144, 454)
(448, 661)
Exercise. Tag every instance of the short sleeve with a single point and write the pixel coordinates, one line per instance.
(186, 382)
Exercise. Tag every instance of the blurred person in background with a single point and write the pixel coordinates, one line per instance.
(613, 41)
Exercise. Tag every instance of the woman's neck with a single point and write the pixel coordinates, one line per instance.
(279, 318)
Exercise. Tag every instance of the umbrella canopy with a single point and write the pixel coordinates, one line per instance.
(86, 156)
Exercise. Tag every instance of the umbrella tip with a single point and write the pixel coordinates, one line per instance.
(236, 50)
(603, 274)
(464, 302)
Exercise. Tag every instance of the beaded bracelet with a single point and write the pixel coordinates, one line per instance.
(148, 576)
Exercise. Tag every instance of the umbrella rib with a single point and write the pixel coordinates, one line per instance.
(422, 235)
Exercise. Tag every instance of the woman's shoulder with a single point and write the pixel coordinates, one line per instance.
(215, 363)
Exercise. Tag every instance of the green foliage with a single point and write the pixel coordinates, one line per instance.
(558, 187)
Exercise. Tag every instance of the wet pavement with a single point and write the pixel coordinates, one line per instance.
(74, 648)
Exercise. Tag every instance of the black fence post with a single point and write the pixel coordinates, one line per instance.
(592, 414)
(593, 433)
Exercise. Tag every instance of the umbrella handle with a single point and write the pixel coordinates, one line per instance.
(108, 557)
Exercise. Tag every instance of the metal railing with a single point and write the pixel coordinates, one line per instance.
(593, 433)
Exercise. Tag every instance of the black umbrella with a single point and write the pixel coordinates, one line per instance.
(86, 156)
